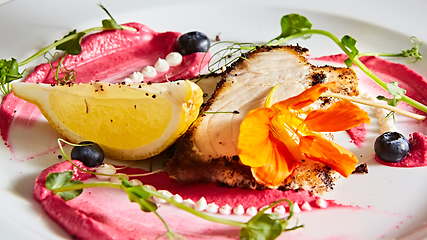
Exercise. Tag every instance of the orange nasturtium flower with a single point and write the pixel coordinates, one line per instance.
(274, 140)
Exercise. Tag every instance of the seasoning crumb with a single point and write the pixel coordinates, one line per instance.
(362, 168)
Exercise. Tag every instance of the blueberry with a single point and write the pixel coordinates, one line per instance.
(391, 147)
(192, 42)
(91, 155)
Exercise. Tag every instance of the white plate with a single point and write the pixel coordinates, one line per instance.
(392, 200)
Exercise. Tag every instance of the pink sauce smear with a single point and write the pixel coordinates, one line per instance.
(108, 56)
(107, 214)
(415, 86)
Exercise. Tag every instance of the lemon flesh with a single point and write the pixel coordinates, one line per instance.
(130, 122)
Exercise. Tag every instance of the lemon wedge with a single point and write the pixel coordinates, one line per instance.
(130, 122)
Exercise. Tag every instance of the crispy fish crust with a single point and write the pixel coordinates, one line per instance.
(207, 152)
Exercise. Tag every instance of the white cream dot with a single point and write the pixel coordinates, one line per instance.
(280, 210)
(296, 208)
(188, 202)
(239, 210)
(251, 211)
(212, 208)
(105, 169)
(177, 198)
(149, 71)
(225, 210)
(306, 206)
(174, 58)
(135, 182)
(117, 176)
(320, 202)
(201, 204)
(161, 65)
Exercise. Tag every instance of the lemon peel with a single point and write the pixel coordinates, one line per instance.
(130, 122)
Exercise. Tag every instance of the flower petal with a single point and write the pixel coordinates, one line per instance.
(341, 116)
(254, 144)
(329, 153)
(305, 98)
(266, 145)
(283, 158)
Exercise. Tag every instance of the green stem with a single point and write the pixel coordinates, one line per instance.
(355, 60)
(153, 193)
(380, 54)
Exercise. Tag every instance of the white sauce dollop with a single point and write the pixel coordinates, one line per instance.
(321, 203)
(306, 206)
(174, 59)
(188, 202)
(150, 187)
(117, 176)
(135, 182)
(161, 65)
(149, 71)
(268, 211)
(105, 169)
(239, 210)
(177, 198)
(386, 123)
(201, 204)
(251, 211)
(296, 208)
(225, 210)
(137, 77)
(280, 210)
(212, 208)
(165, 193)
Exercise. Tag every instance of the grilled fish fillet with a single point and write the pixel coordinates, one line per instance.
(207, 152)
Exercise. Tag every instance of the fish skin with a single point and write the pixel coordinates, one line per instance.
(207, 152)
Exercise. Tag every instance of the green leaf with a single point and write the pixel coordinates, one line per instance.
(350, 43)
(73, 45)
(68, 195)
(293, 24)
(63, 179)
(58, 179)
(139, 195)
(109, 23)
(395, 90)
(266, 226)
(9, 70)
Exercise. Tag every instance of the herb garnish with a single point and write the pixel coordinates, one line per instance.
(296, 26)
(261, 226)
(69, 44)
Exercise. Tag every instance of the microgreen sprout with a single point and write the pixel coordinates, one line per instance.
(70, 44)
(295, 26)
(261, 226)
(69, 75)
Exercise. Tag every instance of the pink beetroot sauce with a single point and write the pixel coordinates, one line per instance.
(107, 214)
(415, 86)
(108, 56)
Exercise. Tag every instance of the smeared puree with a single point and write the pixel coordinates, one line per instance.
(108, 214)
(108, 56)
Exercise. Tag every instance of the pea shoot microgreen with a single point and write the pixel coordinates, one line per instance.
(261, 226)
(69, 44)
(295, 26)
